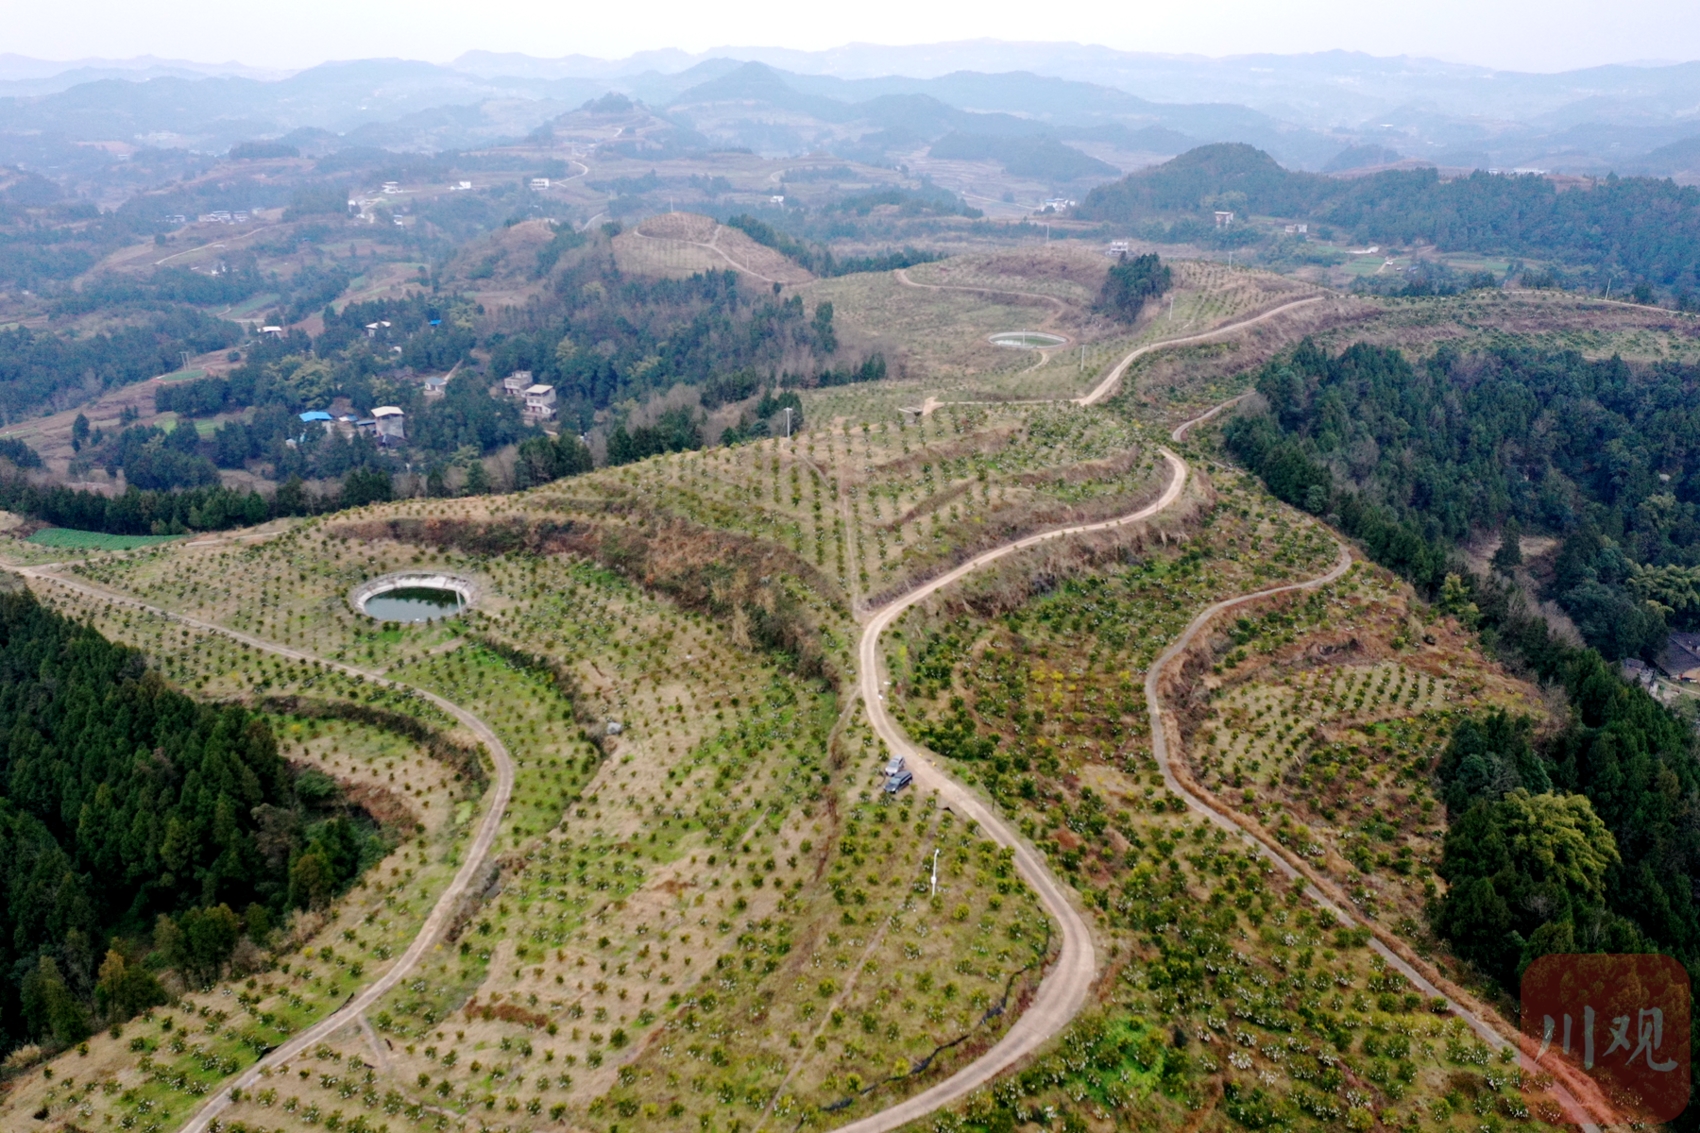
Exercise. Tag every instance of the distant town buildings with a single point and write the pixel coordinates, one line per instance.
(1297, 229)
(539, 184)
(436, 386)
(516, 383)
(1224, 217)
(1119, 247)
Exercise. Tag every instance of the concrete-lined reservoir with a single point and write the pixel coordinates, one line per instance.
(414, 596)
(1027, 339)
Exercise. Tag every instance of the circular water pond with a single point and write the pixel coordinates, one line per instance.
(413, 597)
(413, 604)
(1027, 340)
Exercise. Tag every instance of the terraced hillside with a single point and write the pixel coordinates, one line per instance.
(638, 802)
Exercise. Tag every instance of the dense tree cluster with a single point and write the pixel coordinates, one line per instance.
(19, 453)
(1583, 843)
(650, 335)
(1130, 283)
(542, 459)
(1645, 228)
(36, 366)
(1414, 458)
(123, 801)
(818, 258)
(674, 431)
(139, 511)
(156, 460)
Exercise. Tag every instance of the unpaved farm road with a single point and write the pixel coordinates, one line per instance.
(1107, 385)
(1114, 377)
(501, 791)
(1063, 991)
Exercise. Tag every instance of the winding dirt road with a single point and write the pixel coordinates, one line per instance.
(1397, 954)
(1063, 991)
(438, 919)
(1114, 377)
(712, 245)
(1060, 306)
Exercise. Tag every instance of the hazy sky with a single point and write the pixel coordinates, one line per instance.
(1538, 35)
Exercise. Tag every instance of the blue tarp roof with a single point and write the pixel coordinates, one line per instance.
(316, 415)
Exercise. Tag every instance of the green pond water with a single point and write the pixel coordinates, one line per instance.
(413, 604)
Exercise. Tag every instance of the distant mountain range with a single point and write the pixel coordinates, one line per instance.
(1331, 111)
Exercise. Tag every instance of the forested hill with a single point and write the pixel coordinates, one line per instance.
(1647, 229)
(1603, 454)
(1409, 459)
(122, 802)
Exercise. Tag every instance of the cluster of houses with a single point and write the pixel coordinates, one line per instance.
(539, 399)
(388, 424)
(218, 216)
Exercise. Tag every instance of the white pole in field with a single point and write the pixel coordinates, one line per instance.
(787, 420)
(935, 891)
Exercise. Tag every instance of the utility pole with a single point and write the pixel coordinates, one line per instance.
(1171, 306)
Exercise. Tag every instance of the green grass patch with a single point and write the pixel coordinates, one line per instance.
(71, 539)
(249, 306)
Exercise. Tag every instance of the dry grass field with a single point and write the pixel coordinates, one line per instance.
(680, 244)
